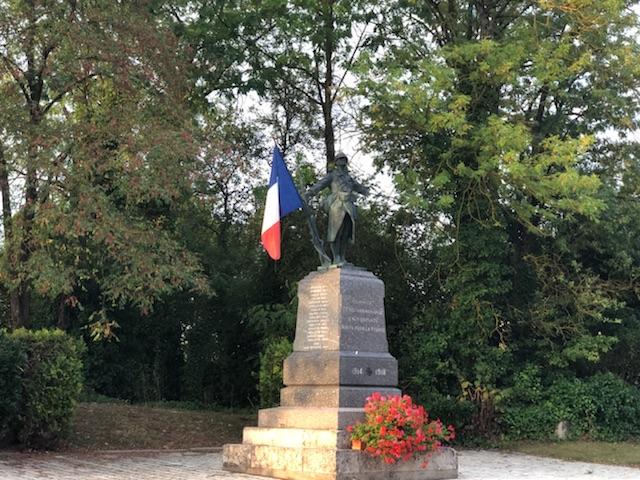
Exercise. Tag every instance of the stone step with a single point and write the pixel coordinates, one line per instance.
(296, 437)
(309, 417)
(330, 396)
(332, 464)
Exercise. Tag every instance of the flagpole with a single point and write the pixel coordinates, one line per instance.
(316, 240)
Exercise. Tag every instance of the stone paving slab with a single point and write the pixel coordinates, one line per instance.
(493, 465)
(474, 465)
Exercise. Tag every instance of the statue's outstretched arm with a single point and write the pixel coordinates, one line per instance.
(361, 189)
(319, 185)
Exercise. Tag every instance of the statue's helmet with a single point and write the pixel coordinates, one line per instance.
(341, 154)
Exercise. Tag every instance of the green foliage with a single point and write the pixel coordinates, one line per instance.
(624, 358)
(489, 120)
(51, 384)
(271, 370)
(12, 363)
(616, 406)
(103, 148)
(602, 407)
(459, 412)
(144, 364)
(295, 54)
(274, 321)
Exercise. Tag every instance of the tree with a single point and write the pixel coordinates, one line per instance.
(98, 138)
(493, 116)
(295, 53)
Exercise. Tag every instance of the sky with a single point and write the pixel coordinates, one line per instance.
(361, 164)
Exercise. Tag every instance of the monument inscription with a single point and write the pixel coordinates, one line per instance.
(362, 318)
(317, 326)
(362, 323)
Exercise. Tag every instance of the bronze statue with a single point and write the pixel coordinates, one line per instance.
(340, 207)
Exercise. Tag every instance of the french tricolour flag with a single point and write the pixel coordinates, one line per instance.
(282, 198)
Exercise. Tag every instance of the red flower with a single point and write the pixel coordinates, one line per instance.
(395, 428)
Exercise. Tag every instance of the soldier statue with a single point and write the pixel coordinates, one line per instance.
(340, 207)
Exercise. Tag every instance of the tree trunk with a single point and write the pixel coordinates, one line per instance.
(5, 191)
(35, 87)
(329, 138)
(63, 319)
(28, 216)
(327, 104)
(24, 292)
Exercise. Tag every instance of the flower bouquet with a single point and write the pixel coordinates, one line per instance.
(397, 429)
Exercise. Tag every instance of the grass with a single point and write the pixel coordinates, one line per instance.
(181, 405)
(104, 425)
(118, 426)
(614, 453)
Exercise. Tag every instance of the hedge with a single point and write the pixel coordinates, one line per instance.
(12, 363)
(43, 373)
(602, 407)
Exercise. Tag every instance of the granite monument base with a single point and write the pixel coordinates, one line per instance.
(340, 357)
(309, 454)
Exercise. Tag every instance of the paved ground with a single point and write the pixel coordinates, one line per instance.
(490, 465)
(474, 465)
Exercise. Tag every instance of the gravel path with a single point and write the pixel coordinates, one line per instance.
(474, 465)
(491, 465)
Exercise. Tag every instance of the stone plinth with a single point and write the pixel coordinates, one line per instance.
(308, 463)
(340, 368)
(340, 356)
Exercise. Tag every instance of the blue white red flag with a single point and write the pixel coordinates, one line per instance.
(282, 199)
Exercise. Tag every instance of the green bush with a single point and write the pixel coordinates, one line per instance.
(531, 422)
(12, 363)
(616, 408)
(51, 385)
(602, 407)
(452, 411)
(271, 370)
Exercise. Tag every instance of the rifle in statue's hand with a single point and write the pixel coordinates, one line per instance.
(318, 244)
